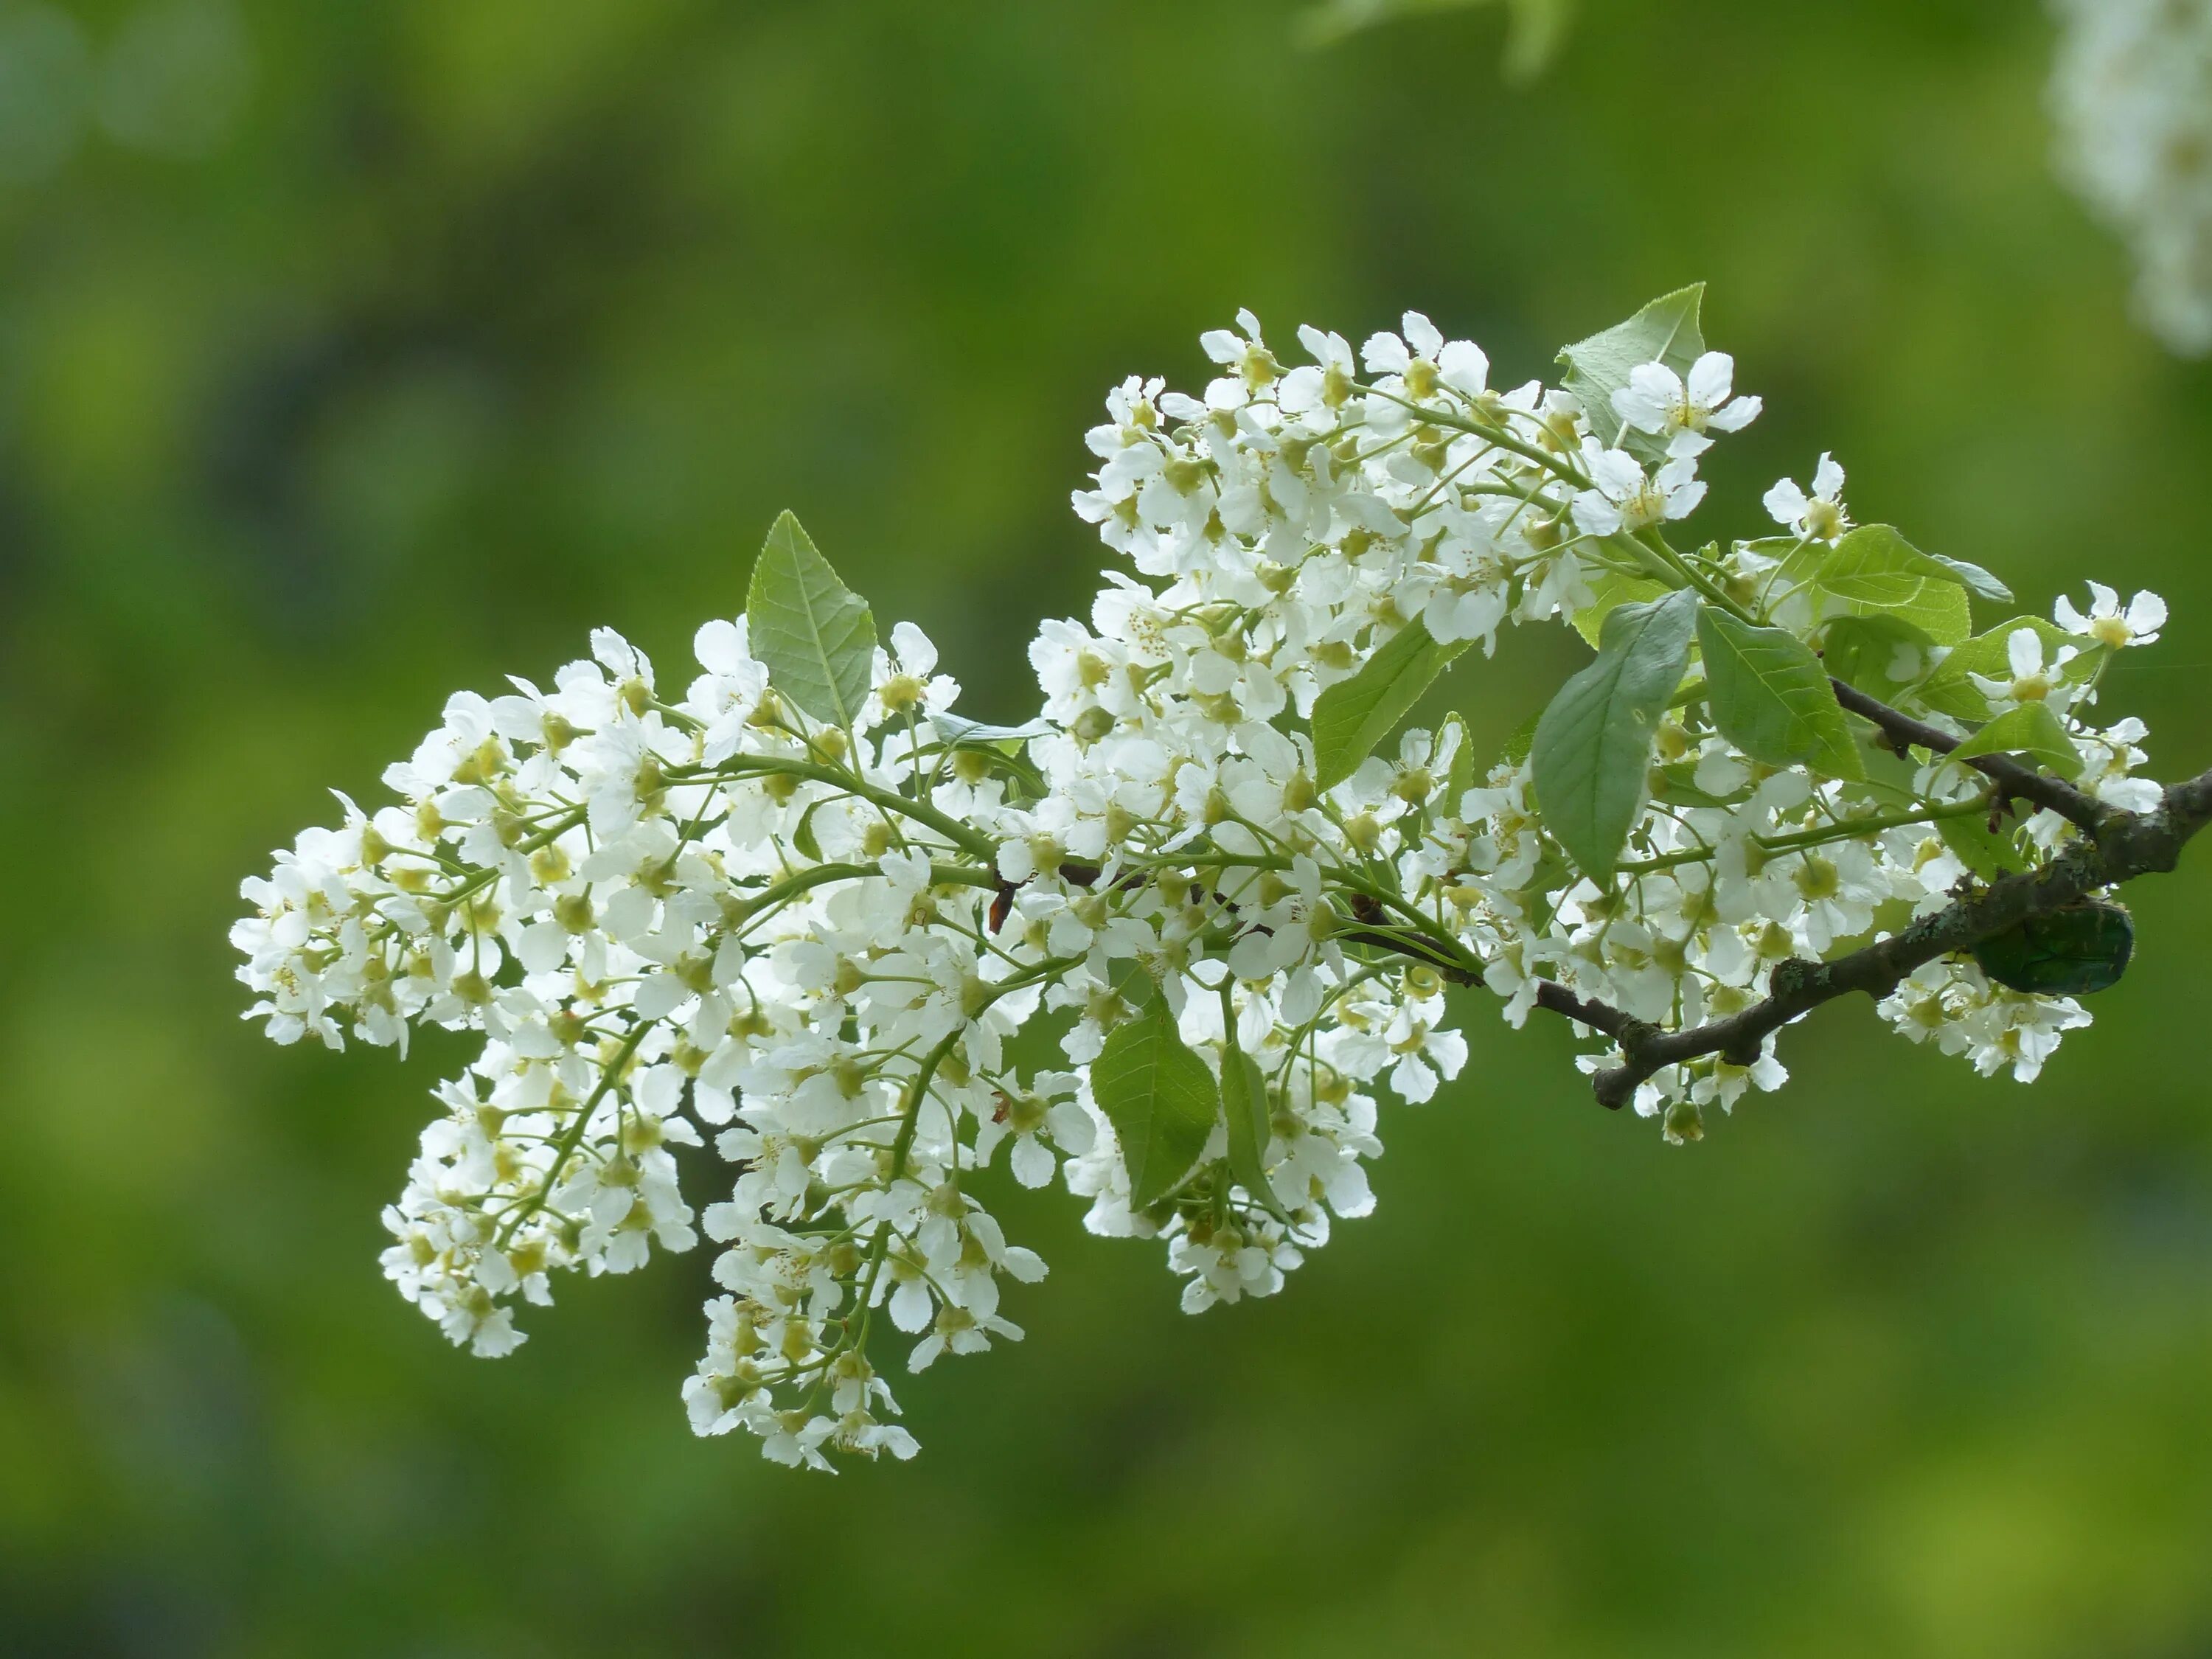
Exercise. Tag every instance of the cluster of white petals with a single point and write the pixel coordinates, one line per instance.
(699, 916)
(2132, 93)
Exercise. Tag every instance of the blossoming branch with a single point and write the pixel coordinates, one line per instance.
(797, 908)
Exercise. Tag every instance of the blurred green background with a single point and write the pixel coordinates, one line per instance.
(353, 352)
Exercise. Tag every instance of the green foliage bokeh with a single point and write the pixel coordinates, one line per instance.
(466, 328)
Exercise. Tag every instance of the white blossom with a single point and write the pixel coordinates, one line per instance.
(1680, 409)
(2109, 623)
(2132, 94)
(1817, 516)
(724, 929)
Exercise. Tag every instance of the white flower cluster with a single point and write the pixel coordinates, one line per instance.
(806, 923)
(2132, 93)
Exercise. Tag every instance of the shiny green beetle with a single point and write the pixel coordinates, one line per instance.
(2073, 951)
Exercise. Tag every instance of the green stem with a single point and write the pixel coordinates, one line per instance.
(545, 837)
(767, 898)
(1651, 537)
(968, 840)
(1848, 829)
(565, 1148)
(1498, 437)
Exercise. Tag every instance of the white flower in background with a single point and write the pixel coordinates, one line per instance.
(1314, 392)
(1624, 497)
(2034, 677)
(1038, 1125)
(2109, 623)
(907, 684)
(2110, 758)
(1663, 403)
(2131, 91)
(1828, 895)
(1251, 365)
(1725, 1084)
(1819, 516)
(726, 696)
(1426, 1053)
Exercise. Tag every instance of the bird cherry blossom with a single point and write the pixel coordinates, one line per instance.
(774, 956)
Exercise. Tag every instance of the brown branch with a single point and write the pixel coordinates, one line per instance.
(2115, 846)
(2119, 846)
(2021, 782)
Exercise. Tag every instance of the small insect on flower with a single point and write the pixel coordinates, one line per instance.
(2074, 952)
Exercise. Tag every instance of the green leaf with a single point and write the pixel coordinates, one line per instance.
(1523, 738)
(1975, 577)
(1244, 1107)
(1002, 744)
(1664, 331)
(1533, 37)
(1353, 715)
(1460, 777)
(1160, 1099)
(1550, 876)
(962, 733)
(1989, 853)
(2031, 729)
(1951, 688)
(1611, 590)
(1881, 655)
(1894, 774)
(1592, 756)
(815, 636)
(1133, 983)
(803, 838)
(1874, 571)
(1770, 697)
(1535, 30)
